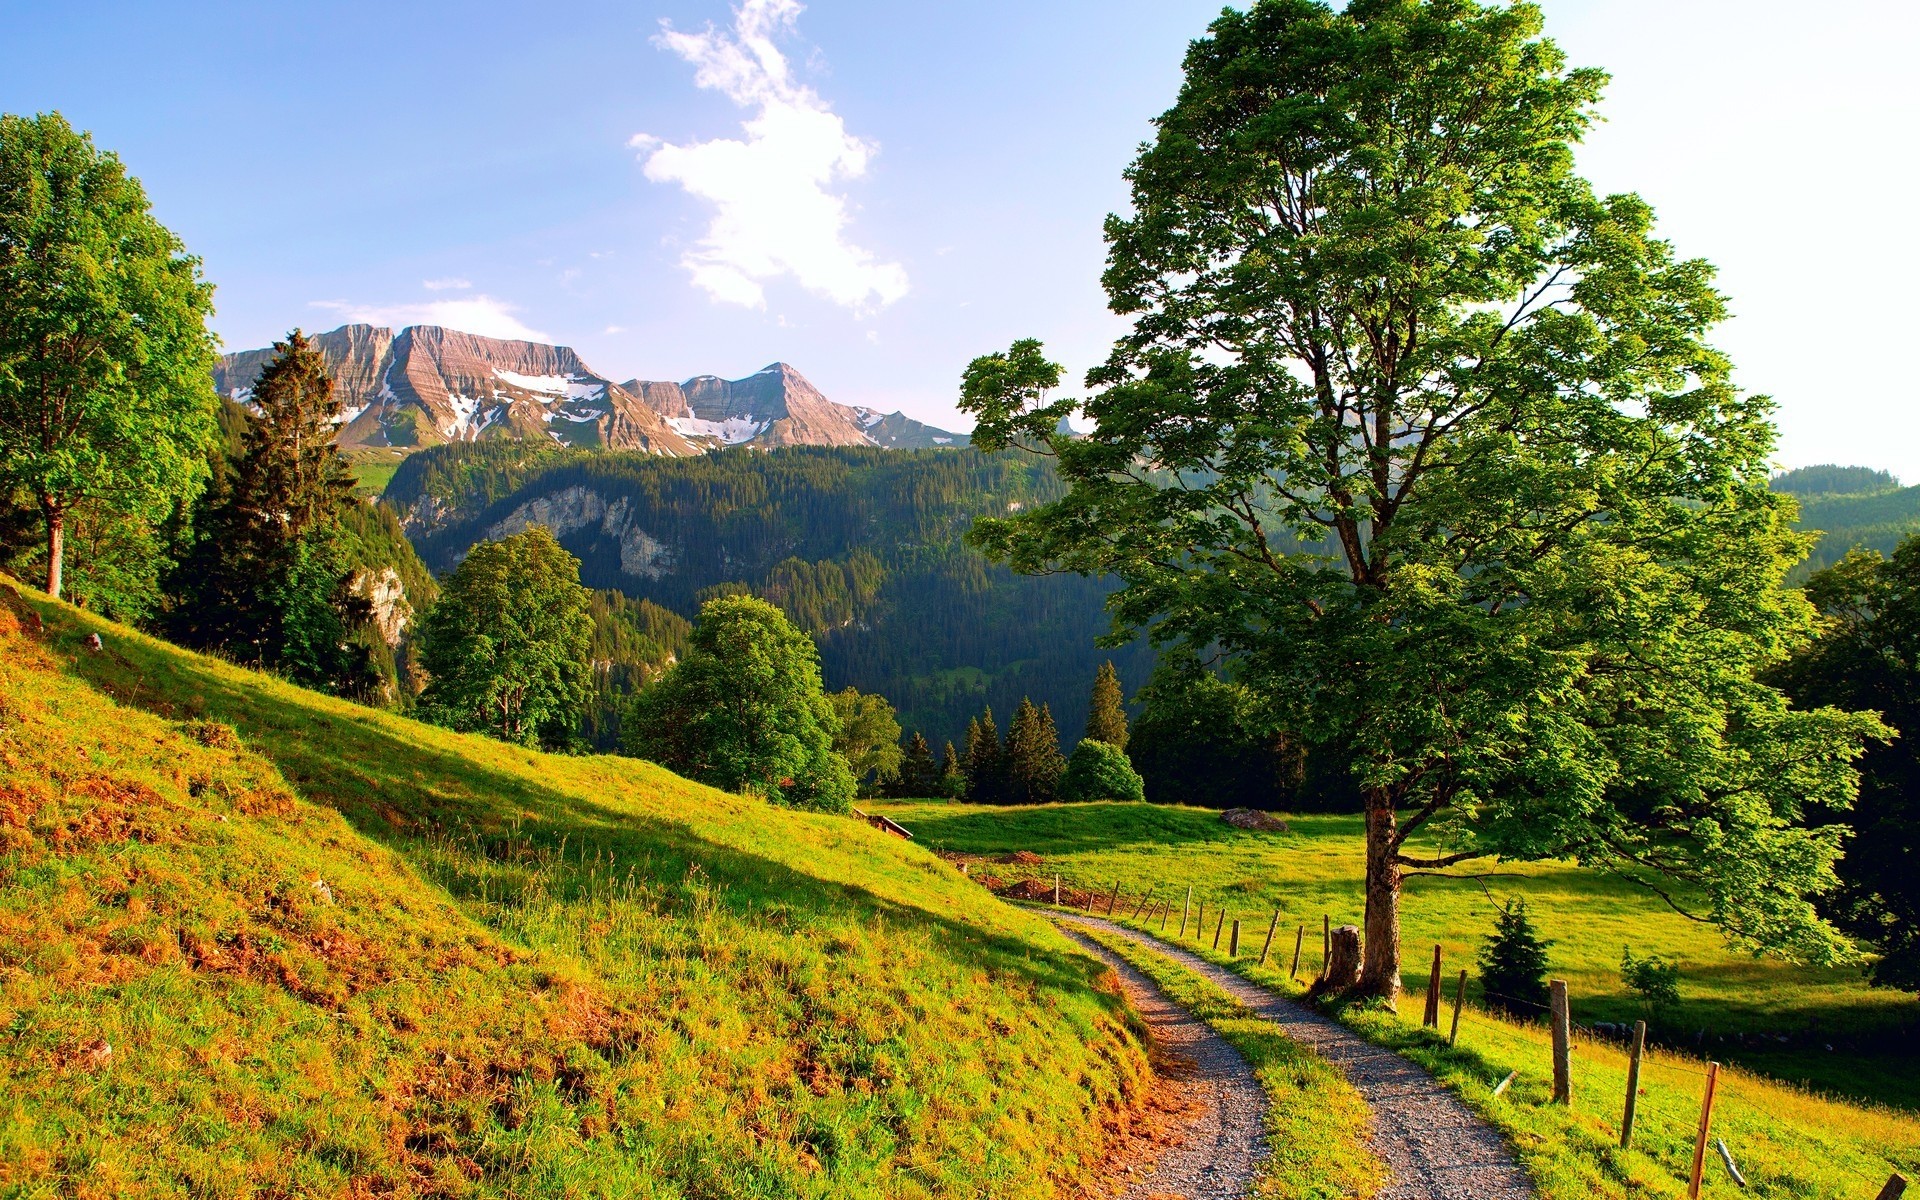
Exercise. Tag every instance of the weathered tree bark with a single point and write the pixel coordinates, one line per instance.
(56, 546)
(1343, 962)
(1380, 970)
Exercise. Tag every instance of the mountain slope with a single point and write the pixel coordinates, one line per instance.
(426, 386)
(864, 548)
(259, 941)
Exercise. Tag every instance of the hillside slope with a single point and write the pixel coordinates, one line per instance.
(257, 941)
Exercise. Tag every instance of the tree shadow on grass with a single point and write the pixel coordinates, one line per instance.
(1071, 828)
(403, 790)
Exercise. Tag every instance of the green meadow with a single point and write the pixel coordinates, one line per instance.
(1734, 1006)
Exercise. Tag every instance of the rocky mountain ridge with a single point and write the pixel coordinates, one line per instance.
(427, 385)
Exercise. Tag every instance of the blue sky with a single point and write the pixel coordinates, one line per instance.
(593, 172)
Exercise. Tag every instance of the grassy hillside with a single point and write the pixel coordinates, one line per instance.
(255, 941)
(1745, 1005)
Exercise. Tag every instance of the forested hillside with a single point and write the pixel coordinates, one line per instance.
(1850, 506)
(862, 547)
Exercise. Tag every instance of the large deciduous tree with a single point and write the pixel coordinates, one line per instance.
(869, 738)
(106, 394)
(1428, 439)
(506, 644)
(745, 710)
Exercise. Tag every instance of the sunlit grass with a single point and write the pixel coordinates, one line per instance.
(257, 941)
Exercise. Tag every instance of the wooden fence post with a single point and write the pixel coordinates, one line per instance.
(1700, 1141)
(1218, 925)
(1268, 944)
(1459, 1002)
(1562, 1043)
(1896, 1187)
(1166, 909)
(1200, 920)
(1142, 906)
(1184, 906)
(1633, 1083)
(1056, 889)
(1431, 1018)
(1298, 938)
(1111, 900)
(1326, 940)
(1233, 943)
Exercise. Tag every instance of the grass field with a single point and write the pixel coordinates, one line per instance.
(1786, 1141)
(1315, 868)
(255, 941)
(373, 467)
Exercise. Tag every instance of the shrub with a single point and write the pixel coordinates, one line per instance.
(1656, 979)
(1099, 771)
(1513, 963)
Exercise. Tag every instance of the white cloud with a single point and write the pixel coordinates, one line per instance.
(470, 314)
(775, 212)
(616, 329)
(445, 285)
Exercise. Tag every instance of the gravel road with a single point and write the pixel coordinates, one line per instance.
(1216, 1158)
(1433, 1145)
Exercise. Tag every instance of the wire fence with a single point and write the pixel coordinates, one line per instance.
(1673, 1122)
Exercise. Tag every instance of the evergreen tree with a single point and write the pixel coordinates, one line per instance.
(1034, 762)
(1106, 710)
(953, 779)
(919, 774)
(986, 769)
(1513, 963)
(269, 578)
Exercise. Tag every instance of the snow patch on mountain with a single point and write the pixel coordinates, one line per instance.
(730, 432)
(570, 387)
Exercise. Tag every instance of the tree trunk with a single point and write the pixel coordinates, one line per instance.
(56, 545)
(1342, 972)
(1380, 966)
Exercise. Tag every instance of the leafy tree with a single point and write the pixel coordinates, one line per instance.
(919, 775)
(1202, 740)
(269, 578)
(986, 763)
(1034, 763)
(1443, 463)
(869, 738)
(745, 710)
(506, 643)
(1106, 709)
(1100, 771)
(1868, 656)
(106, 399)
(953, 777)
(1656, 980)
(1513, 963)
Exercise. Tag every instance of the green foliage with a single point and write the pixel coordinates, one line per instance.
(1535, 564)
(920, 776)
(953, 775)
(268, 577)
(862, 548)
(1828, 479)
(1107, 709)
(986, 766)
(1099, 771)
(1033, 756)
(868, 739)
(745, 711)
(1868, 656)
(506, 644)
(106, 404)
(1513, 964)
(634, 643)
(1201, 739)
(1655, 979)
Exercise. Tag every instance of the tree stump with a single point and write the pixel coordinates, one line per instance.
(1343, 961)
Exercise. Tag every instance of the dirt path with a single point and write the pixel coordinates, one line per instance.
(1214, 1154)
(1434, 1146)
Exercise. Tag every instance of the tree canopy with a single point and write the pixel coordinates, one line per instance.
(506, 643)
(1428, 439)
(869, 738)
(745, 710)
(106, 394)
(1100, 771)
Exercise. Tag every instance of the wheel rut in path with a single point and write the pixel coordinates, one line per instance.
(1433, 1145)
(1216, 1157)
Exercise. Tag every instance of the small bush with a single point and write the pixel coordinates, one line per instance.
(1656, 979)
(1513, 963)
(213, 735)
(1099, 771)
